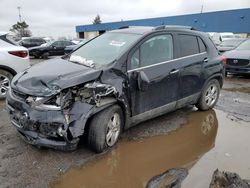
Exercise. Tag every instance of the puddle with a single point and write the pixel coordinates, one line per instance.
(133, 163)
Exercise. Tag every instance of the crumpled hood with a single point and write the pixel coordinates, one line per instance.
(49, 77)
(237, 54)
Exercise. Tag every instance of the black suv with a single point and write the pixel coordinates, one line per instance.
(113, 82)
(50, 49)
(32, 42)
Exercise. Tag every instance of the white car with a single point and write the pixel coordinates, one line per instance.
(13, 59)
(220, 37)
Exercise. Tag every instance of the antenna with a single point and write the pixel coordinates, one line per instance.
(19, 13)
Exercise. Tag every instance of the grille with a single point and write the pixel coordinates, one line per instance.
(238, 62)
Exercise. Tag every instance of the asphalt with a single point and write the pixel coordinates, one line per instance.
(22, 165)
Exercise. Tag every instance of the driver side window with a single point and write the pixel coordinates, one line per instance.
(155, 50)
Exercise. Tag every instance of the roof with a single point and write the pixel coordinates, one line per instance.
(146, 29)
(236, 21)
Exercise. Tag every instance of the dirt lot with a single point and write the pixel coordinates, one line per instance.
(198, 141)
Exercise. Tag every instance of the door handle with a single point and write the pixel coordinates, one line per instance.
(205, 60)
(174, 71)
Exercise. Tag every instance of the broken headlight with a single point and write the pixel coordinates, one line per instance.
(57, 102)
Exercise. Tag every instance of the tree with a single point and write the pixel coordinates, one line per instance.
(97, 19)
(21, 29)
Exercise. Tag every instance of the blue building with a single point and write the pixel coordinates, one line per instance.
(236, 21)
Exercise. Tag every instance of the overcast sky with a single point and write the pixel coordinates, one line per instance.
(59, 17)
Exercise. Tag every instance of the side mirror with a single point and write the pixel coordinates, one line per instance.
(143, 81)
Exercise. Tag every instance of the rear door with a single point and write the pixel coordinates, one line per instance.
(155, 58)
(192, 52)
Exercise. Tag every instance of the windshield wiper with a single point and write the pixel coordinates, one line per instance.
(81, 60)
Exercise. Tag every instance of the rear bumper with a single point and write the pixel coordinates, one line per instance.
(238, 70)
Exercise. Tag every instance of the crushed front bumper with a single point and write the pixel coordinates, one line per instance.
(41, 128)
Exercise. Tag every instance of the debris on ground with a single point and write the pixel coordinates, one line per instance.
(222, 179)
(170, 179)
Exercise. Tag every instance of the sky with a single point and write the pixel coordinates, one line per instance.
(58, 18)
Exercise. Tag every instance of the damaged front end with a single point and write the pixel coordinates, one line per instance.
(57, 121)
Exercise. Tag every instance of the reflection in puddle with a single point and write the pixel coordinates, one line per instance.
(133, 164)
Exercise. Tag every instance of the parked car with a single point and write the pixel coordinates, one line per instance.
(113, 82)
(238, 60)
(13, 59)
(230, 44)
(50, 49)
(69, 49)
(219, 37)
(32, 42)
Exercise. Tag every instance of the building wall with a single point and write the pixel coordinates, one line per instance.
(236, 21)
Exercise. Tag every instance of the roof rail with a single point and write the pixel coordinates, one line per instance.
(161, 27)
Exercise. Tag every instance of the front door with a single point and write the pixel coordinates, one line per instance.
(154, 58)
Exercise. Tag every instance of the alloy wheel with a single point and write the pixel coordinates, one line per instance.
(113, 130)
(4, 85)
(211, 95)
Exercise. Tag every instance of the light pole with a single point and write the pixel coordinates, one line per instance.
(19, 14)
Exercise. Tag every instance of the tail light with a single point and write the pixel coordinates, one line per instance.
(224, 59)
(19, 53)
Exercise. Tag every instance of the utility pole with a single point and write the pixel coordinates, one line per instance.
(19, 14)
(202, 6)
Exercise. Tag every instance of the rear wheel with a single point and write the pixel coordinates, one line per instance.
(226, 73)
(5, 79)
(209, 95)
(45, 55)
(105, 128)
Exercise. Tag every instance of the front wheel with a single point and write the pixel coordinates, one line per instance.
(209, 95)
(105, 128)
(5, 79)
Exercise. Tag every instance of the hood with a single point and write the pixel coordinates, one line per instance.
(238, 54)
(49, 77)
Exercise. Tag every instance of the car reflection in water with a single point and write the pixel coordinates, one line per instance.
(134, 163)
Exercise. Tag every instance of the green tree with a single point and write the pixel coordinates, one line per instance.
(21, 29)
(97, 19)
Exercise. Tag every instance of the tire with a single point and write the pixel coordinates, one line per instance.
(102, 133)
(36, 56)
(45, 55)
(226, 74)
(209, 95)
(5, 79)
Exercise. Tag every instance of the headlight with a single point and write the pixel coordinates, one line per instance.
(43, 103)
(57, 102)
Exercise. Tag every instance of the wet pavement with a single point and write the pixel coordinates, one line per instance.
(198, 141)
(208, 141)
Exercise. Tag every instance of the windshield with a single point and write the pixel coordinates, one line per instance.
(106, 48)
(9, 39)
(244, 45)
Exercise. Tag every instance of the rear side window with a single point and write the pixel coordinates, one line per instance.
(189, 45)
(201, 45)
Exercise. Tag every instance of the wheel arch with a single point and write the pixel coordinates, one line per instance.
(10, 70)
(218, 77)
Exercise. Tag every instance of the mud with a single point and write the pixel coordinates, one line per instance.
(22, 165)
(134, 163)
